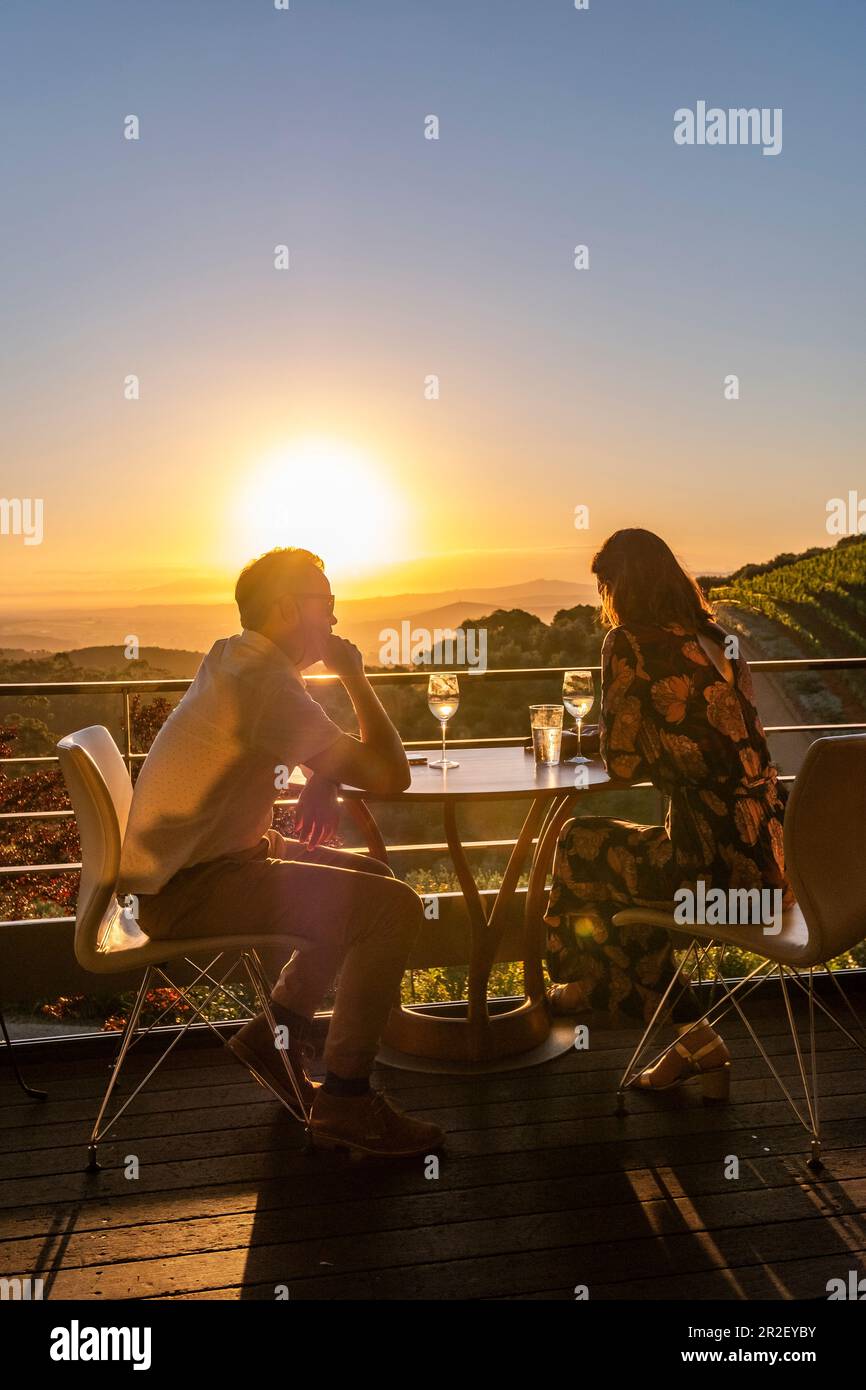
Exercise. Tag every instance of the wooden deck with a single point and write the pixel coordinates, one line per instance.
(543, 1187)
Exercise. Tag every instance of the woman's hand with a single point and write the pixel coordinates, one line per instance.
(317, 814)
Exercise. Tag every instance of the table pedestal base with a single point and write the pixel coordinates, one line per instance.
(452, 1037)
(484, 1034)
(520, 1037)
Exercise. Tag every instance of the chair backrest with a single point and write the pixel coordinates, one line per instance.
(825, 842)
(100, 790)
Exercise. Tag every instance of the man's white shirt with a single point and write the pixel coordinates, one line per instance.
(209, 782)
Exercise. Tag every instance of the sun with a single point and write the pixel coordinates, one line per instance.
(326, 496)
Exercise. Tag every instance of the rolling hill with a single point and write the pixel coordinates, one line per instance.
(817, 599)
(812, 604)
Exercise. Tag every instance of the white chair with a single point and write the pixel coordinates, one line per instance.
(825, 856)
(108, 940)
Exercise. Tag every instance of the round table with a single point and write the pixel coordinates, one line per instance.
(480, 1039)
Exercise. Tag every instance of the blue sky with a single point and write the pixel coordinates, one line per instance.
(413, 256)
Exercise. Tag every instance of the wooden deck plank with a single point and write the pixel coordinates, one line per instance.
(246, 1105)
(278, 1156)
(436, 1262)
(192, 1061)
(542, 1187)
(318, 1188)
(610, 1213)
(23, 1124)
(498, 1128)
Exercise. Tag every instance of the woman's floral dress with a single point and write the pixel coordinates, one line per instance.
(670, 718)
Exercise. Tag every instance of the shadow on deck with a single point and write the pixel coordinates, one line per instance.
(542, 1189)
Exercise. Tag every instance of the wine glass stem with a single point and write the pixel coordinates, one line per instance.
(579, 748)
(444, 726)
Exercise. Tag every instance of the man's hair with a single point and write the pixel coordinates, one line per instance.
(283, 570)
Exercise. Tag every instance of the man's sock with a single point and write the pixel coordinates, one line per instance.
(346, 1086)
(297, 1024)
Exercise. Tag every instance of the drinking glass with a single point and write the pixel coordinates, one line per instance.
(546, 723)
(443, 697)
(578, 696)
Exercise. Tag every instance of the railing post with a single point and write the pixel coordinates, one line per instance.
(127, 730)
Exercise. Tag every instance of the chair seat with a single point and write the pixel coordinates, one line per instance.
(124, 946)
(793, 945)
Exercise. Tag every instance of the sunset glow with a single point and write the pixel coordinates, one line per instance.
(325, 495)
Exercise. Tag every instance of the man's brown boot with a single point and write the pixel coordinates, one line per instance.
(255, 1046)
(368, 1124)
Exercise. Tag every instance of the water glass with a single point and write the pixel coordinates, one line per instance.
(546, 733)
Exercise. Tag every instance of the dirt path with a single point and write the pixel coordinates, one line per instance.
(774, 707)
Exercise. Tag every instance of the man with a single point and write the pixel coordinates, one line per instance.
(202, 858)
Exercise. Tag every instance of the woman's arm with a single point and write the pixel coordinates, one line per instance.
(624, 692)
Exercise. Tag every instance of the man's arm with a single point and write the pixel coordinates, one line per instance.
(376, 761)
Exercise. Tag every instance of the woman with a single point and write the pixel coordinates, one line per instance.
(677, 711)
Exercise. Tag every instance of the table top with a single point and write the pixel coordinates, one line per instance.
(488, 774)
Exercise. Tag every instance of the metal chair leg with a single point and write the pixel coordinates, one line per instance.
(261, 988)
(128, 1042)
(116, 1066)
(810, 1094)
(815, 1161)
(28, 1090)
(259, 982)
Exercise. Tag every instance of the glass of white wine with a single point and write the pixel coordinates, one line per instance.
(578, 696)
(443, 697)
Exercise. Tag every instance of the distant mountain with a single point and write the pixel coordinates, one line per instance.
(25, 654)
(96, 663)
(179, 627)
(194, 627)
(547, 593)
(367, 635)
(166, 661)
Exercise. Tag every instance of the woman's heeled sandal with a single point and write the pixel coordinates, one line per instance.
(715, 1080)
(716, 1084)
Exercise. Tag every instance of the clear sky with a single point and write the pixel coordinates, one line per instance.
(288, 406)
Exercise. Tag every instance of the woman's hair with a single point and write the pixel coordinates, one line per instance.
(640, 580)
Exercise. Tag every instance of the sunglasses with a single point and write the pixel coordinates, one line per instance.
(329, 599)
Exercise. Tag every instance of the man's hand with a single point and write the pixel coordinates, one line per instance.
(376, 761)
(317, 814)
(342, 657)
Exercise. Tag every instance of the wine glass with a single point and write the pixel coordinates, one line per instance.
(443, 697)
(578, 696)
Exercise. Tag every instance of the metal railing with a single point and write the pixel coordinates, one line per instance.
(126, 689)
